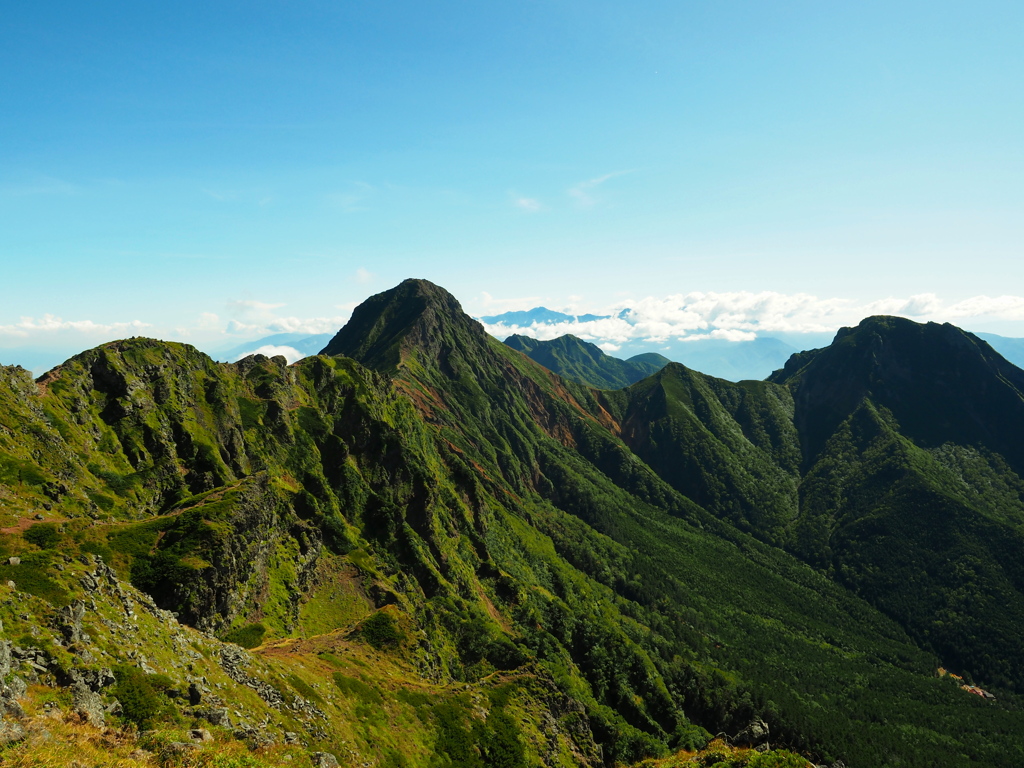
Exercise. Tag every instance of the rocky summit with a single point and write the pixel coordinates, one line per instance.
(424, 547)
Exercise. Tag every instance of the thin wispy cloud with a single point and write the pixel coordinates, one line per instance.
(221, 197)
(528, 204)
(208, 320)
(250, 308)
(259, 196)
(353, 200)
(42, 185)
(584, 193)
(490, 305)
(364, 275)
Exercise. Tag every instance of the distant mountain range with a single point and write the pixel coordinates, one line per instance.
(542, 315)
(303, 343)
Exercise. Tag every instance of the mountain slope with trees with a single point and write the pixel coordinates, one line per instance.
(573, 358)
(577, 577)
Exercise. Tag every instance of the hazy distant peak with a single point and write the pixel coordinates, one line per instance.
(539, 315)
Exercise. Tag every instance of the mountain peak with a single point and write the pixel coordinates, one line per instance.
(938, 381)
(414, 315)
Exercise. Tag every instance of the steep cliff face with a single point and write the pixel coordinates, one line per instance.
(235, 556)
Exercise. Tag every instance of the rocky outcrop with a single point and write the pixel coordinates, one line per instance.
(69, 622)
(754, 735)
(239, 555)
(323, 760)
(12, 688)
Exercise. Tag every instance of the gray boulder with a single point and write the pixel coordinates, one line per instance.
(69, 621)
(214, 716)
(755, 734)
(10, 732)
(88, 704)
(5, 658)
(323, 760)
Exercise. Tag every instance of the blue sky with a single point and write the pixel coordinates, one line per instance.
(211, 171)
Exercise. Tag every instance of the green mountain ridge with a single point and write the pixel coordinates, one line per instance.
(611, 574)
(586, 363)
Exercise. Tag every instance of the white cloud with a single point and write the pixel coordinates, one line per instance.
(308, 325)
(364, 275)
(609, 347)
(742, 315)
(50, 324)
(257, 318)
(1002, 307)
(290, 353)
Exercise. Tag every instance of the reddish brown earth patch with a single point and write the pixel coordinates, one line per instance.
(25, 523)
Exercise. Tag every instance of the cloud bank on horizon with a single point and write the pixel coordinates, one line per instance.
(729, 316)
(272, 350)
(745, 315)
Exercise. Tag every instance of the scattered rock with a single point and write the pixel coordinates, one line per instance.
(95, 679)
(233, 660)
(181, 748)
(255, 737)
(214, 716)
(17, 687)
(69, 621)
(754, 734)
(13, 561)
(10, 732)
(9, 694)
(200, 734)
(323, 760)
(88, 704)
(5, 658)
